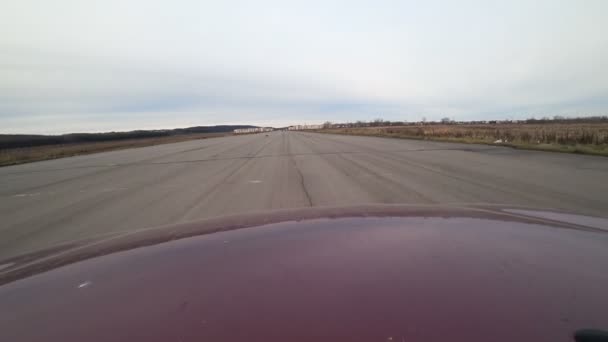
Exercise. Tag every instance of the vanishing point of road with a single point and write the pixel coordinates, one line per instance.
(52, 202)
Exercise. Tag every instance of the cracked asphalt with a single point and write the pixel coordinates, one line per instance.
(52, 202)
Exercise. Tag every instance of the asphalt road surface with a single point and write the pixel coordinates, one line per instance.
(51, 202)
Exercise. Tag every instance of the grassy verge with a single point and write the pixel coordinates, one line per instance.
(15, 156)
(589, 139)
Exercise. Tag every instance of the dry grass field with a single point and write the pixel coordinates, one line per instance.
(587, 138)
(14, 156)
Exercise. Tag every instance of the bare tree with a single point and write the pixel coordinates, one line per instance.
(378, 122)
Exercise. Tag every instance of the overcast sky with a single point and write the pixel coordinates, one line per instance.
(68, 66)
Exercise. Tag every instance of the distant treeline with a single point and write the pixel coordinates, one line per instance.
(24, 140)
(447, 120)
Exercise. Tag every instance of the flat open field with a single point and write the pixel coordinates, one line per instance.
(587, 138)
(21, 155)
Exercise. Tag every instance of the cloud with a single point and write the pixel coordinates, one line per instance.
(92, 66)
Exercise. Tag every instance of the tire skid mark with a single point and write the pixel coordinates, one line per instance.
(108, 168)
(527, 194)
(216, 187)
(392, 184)
(383, 156)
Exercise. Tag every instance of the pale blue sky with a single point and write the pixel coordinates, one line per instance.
(82, 65)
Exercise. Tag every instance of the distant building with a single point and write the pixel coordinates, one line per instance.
(304, 127)
(253, 130)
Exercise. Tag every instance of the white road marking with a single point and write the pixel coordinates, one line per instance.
(27, 195)
(85, 284)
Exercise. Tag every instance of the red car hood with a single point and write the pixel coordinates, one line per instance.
(384, 273)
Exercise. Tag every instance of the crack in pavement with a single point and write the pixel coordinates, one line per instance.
(302, 183)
